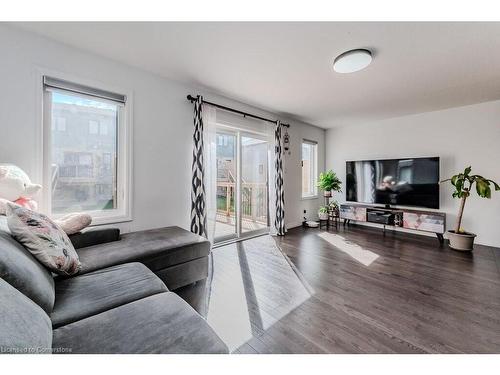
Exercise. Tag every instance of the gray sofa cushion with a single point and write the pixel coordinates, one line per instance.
(94, 236)
(162, 323)
(156, 248)
(24, 327)
(185, 273)
(20, 269)
(85, 295)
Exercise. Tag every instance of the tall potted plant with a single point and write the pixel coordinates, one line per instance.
(329, 181)
(463, 185)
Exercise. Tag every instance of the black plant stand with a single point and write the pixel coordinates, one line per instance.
(333, 216)
(324, 223)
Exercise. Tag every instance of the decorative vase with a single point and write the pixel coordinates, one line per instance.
(327, 194)
(461, 241)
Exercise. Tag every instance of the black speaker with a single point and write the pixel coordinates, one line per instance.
(380, 217)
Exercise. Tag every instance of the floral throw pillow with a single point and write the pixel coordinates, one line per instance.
(44, 239)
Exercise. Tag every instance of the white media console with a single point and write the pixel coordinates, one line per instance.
(427, 221)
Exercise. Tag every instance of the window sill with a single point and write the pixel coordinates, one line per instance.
(309, 197)
(98, 220)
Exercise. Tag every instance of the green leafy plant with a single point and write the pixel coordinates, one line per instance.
(329, 181)
(334, 205)
(463, 184)
(323, 210)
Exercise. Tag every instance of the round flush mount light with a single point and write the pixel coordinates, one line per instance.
(352, 61)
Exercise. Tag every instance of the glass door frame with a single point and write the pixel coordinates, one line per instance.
(226, 130)
(239, 235)
(256, 232)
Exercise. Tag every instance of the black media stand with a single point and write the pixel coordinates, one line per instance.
(426, 221)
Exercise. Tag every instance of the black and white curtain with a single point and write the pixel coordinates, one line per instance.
(198, 196)
(279, 219)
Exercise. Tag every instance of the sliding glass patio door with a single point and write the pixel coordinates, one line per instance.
(254, 188)
(242, 185)
(227, 168)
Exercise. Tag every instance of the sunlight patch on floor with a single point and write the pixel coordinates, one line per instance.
(233, 327)
(363, 256)
(282, 290)
(256, 286)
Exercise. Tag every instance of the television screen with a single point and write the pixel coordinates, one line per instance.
(403, 182)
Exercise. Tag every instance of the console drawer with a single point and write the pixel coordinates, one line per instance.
(424, 221)
(380, 218)
(353, 213)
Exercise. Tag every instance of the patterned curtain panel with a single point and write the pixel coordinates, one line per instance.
(279, 221)
(198, 197)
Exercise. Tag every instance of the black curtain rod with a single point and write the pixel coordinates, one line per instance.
(244, 114)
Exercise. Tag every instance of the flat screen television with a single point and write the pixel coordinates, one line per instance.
(403, 182)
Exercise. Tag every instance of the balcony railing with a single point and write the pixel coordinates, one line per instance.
(76, 171)
(253, 200)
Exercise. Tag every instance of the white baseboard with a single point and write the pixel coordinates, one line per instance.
(294, 225)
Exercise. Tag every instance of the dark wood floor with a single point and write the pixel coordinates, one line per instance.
(351, 291)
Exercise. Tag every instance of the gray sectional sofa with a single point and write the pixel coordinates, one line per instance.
(119, 303)
(176, 256)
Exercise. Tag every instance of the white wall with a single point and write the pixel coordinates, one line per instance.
(162, 127)
(461, 136)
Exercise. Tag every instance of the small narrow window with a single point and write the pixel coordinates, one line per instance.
(309, 168)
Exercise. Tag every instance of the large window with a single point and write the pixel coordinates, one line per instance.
(309, 169)
(86, 155)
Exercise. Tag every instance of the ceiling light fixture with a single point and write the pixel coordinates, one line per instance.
(352, 61)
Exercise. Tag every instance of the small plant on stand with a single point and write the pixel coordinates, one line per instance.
(463, 184)
(329, 181)
(333, 207)
(323, 213)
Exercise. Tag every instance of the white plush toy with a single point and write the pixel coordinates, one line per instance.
(16, 186)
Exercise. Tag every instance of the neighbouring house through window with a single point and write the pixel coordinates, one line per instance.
(86, 158)
(93, 127)
(60, 124)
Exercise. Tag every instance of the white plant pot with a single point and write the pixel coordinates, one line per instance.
(323, 215)
(327, 194)
(461, 241)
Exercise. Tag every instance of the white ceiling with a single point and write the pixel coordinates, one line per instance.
(288, 67)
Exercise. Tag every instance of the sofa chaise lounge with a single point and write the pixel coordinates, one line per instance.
(176, 256)
(118, 303)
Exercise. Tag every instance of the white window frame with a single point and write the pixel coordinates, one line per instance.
(123, 212)
(314, 195)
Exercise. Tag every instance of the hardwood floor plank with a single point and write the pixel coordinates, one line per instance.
(245, 349)
(351, 290)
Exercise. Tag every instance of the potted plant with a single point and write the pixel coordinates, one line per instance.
(463, 184)
(323, 213)
(329, 181)
(334, 207)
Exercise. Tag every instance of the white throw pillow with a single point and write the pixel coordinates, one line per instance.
(44, 239)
